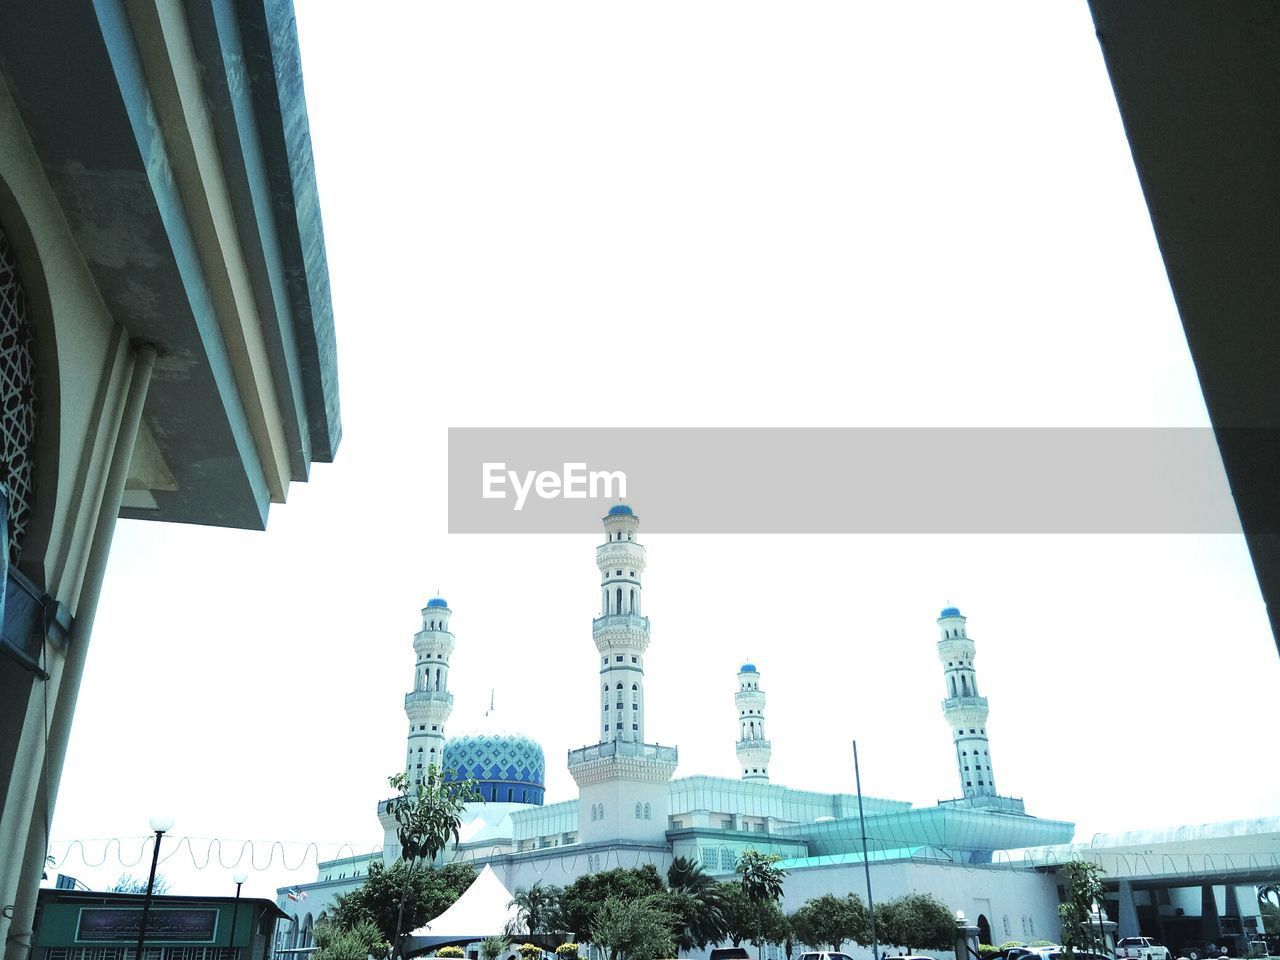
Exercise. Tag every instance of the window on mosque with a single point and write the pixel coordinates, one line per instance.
(635, 726)
(619, 660)
(635, 706)
(635, 659)
(619, 726)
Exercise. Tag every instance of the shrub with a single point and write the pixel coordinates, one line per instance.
(1010, 944)
(455, 953)
(987, 950)
(528, 951)
(567, 951)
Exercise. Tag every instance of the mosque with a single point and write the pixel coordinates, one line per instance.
(632, 810)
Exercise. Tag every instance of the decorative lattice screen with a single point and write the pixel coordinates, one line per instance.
(17, 399)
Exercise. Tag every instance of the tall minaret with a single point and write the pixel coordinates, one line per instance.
(623, 782)
(620, 632)
(963, 708)
(753, 749)
(429, 704)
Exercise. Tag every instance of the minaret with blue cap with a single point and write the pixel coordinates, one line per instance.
(753, 749)
(623, 782)
(621, 632)
(429, 704)
(964, 709)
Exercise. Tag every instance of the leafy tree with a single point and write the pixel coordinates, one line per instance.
(428, 813)
(761, 884)
(580, 900)
(829, 920)
(567, 951)
(422, 892)
(491, 948)
(529, 951)
(917, 920)
(128, 883)
(537, 908)
(1082, 883)
(359, 942)
(757, 923)
(632, 929)
(451, 953)
(698, 905)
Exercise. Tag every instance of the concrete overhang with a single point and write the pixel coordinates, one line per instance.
(1198, 86)
(175, 137)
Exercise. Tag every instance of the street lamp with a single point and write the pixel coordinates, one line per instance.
(239, 879)
(160, 826)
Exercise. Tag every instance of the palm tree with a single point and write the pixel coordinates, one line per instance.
(761, 883)
(536, 907)
(426, 819)
(708, 920)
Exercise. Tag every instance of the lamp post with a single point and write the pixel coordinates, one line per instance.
(866, 856)
(161, 826)
(239, 879)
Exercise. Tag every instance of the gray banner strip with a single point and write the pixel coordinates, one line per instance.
(841, 480)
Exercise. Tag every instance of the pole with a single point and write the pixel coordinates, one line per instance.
(146, 904)
(235, 915)
(866, 859)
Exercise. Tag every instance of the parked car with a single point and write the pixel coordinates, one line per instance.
(1032, 953)
(730, 953)
(1141, 948)
(825, 956)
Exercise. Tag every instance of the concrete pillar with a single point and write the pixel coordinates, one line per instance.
(1210, 925)
(966, 938)
(1127, 925)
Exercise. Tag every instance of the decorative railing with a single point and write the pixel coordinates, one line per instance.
(427, 696)
(623, 748)
(621, 621)
(964, 702)
(755, 744)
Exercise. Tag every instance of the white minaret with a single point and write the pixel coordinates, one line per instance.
(623, 782)
(620, 632)
(963, 708)
(429, 704)
(753, 749)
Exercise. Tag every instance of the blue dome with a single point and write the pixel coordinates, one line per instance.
(949, 612)
(507, 767)
(748, 668)
(437, 602)
(621, 510)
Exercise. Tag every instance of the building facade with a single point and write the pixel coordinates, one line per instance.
(166, 334)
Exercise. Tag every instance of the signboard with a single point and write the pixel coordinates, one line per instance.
(120, 924)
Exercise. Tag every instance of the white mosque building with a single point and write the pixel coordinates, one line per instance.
(632, 810)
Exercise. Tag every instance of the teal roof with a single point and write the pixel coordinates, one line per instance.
(949, 612)
(748, 668)
(437, 602)
(621, 510)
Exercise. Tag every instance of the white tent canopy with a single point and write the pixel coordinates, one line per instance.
(482, 911)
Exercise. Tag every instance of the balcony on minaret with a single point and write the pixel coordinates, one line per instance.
(623, 748)
(952, 703)
(428, 696)
(754, 745)
(621, 621)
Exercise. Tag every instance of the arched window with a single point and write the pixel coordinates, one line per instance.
(964, 685)
(619, 610)
(619, 686)
(637, 811)
(647, 812)
(633, 601)
(953, 686)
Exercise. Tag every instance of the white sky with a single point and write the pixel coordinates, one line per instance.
(675, 213)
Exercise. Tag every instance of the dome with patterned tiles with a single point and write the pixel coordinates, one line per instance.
(507, 767)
